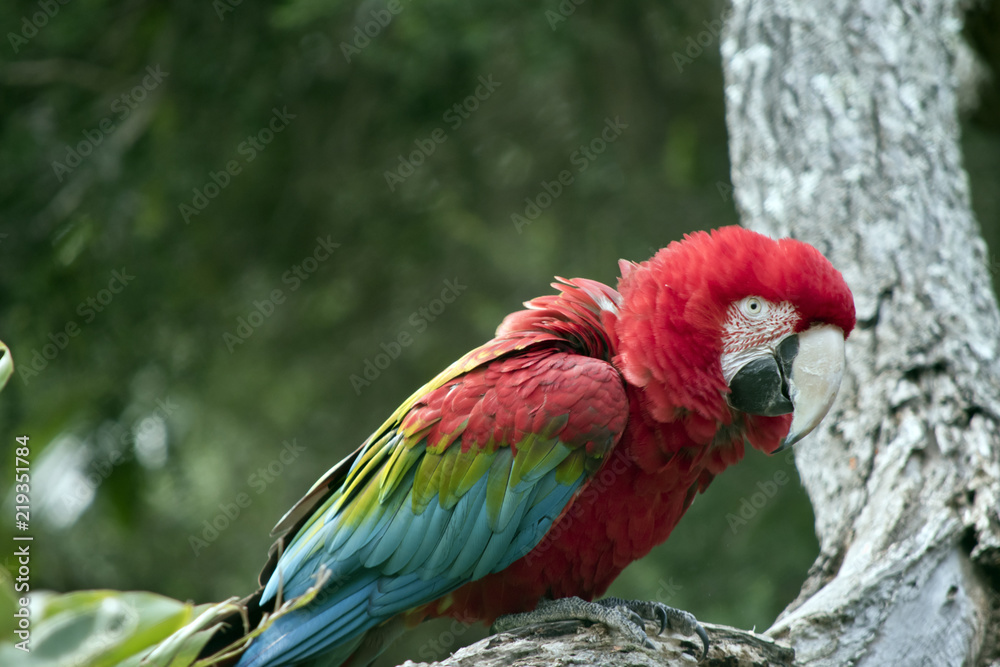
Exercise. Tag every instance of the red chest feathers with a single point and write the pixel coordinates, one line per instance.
(631, 505)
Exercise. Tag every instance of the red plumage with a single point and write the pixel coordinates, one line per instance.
(593, 417)
(660, 335)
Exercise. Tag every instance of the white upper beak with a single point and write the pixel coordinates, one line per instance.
(815, 378)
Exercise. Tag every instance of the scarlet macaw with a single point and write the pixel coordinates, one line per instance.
(539, 465)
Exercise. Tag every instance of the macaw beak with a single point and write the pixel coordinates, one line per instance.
(801, 376)
(815, 379)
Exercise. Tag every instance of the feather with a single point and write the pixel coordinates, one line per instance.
(469, 467)
(431, 537)
(402, 459)
(498, 485)
(534, 462)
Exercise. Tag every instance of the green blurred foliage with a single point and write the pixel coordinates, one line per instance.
(99, 629)
(148, 424)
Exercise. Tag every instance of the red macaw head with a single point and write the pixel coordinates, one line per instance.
(733, 327)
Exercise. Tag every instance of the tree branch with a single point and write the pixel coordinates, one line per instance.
(573, 643)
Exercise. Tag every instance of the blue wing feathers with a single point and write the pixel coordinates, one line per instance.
(395, 535)
(537, 521)
(402, 540)
(471, 549)
(456, 535)
(498, 544)
(396, 594)
(392, 545)
(432, 536)
(388, 571)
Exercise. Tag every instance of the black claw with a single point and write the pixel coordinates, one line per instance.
(664, 621)
(704, 640)
(636, 611)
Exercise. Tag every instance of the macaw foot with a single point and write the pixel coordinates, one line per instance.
(626, 616)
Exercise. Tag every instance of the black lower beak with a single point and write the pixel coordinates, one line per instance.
(761, 386)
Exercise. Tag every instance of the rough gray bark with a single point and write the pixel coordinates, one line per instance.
(844, 133)
(572, 643)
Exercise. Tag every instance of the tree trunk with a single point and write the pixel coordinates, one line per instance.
(844, 133)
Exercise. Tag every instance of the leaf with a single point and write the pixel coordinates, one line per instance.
(181, 648)
(107, 628)
(134, 629)
(6, 364)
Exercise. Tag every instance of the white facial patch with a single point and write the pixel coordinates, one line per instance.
(753, 328)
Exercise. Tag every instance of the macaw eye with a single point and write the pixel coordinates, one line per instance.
(753, 306)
